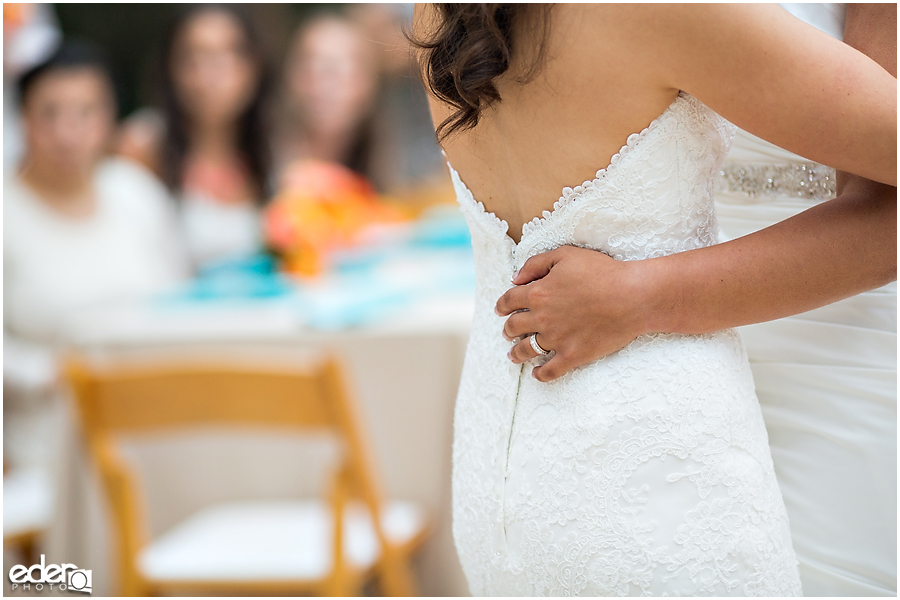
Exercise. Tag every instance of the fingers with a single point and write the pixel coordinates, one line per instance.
(554, 368)
(534, 268)
(538, 266)
(514, 299)
(518, 324)
(522, 351)
(558, 365)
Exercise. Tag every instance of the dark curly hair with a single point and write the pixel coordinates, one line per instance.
(471, 47)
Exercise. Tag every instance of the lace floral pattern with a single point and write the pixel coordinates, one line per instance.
(647, 472)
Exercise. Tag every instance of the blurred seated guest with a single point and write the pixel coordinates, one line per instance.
(351, 96)
(79, 229)
(30, 35)
(330, 86)
(408, 162)
(210, 143)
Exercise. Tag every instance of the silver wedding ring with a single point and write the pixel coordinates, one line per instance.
(537, 347)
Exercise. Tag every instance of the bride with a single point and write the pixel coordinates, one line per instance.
(647, 471)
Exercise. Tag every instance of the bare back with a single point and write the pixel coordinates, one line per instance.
(556, 130)
(610, 69)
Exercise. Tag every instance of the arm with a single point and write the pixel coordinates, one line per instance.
(586, 305)
(871, 29)
(785, 81)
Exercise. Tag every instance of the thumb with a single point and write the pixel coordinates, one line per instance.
(552, 369)
(537, 267)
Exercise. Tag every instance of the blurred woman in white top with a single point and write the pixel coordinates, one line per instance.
(209, 143)
(79, 230)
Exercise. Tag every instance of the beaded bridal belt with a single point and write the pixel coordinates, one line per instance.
(810, 181)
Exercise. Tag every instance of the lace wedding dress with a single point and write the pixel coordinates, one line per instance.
(646, 472)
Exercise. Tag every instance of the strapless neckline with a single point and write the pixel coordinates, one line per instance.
(570, 194)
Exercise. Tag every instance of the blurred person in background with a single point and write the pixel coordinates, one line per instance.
(330, 86)
(79, 229)
(349, 96)
(30, 35)
(409, 162)
(210, 143)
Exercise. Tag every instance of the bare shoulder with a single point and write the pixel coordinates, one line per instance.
(642, 42)
(651, 31)
(641, 20)
(769, 73)
(608, 66)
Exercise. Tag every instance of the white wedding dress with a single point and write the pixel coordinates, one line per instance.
(647, 472)
(826, 380)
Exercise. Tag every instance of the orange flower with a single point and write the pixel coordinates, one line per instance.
(321, 207)
(14, 15)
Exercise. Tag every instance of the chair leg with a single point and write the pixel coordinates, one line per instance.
(397, 578)
(344, 584)
(28, 548)
(336, 587)
(134, 585)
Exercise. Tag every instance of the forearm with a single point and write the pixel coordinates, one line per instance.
(834, 250)
(831, 251)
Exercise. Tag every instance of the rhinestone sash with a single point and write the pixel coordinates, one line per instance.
(810, 181)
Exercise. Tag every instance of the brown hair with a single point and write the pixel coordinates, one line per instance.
(253, 125)
(469, 50)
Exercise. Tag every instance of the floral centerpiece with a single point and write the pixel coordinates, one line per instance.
(321, 207)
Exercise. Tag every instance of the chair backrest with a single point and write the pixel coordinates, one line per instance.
(141, 399)
(117, 400)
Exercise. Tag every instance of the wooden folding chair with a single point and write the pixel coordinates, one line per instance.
(328, 546)
(27, 511)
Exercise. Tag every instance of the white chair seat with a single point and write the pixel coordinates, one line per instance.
(27, 501)
(271, 540)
